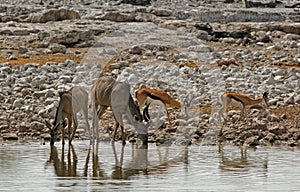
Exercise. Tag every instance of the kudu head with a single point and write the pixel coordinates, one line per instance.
(141, 128)
(54, 130)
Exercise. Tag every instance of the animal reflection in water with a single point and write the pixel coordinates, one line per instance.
(61, 167)
(238, 163)
(138, 164)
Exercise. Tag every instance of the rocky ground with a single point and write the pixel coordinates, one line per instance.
(196, 50)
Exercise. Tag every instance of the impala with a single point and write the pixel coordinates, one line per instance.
(145, 96)
(227, 97)
(107, 92)
(71, 102)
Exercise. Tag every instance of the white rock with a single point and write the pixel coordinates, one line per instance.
(273, 101)
(297, 99)
(13, 57)
(291, 36)
(17, 103)
(270, 80)
(290, 100)
(200, 48)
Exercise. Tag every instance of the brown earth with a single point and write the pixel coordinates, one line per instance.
(43, 59)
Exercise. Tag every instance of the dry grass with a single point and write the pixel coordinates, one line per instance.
(43, 59)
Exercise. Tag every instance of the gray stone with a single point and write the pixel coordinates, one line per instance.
(10, 136)
(22, 50)
(297, 99)
(118, 17)
(54, 15)
(57, 48)
(271, 137)
(13, 57)
(273, 101)
(291, 37)
(261, 126)
(17, 103)
(200, 48)
(37, 126)
(273, 118)
(270, 80)
(290, 100)
(114, 66)
(252, 141)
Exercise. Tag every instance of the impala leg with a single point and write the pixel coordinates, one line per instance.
(95, 123)
(168, 115)
(221, 112)
(226, 104)
(223, 108)
(221, 131)
(244, 112)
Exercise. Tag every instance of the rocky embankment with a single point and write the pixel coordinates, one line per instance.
(185, 49)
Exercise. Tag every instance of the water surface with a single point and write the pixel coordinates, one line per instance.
(30, 166)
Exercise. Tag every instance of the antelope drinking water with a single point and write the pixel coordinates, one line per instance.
(71, 102)
(107, 92)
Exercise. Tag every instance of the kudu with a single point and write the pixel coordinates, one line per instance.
(107, 92)
(71, 102)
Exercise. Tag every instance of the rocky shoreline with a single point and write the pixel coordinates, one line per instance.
(195, 57)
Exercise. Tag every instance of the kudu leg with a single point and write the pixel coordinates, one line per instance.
(123, 135)
(63, 134)
(85, 113)
(95, 124)
(115, 131)
(96, 116)
(70, 119)
(74, 129)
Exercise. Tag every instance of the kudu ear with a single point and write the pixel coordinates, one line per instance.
(48, 125)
